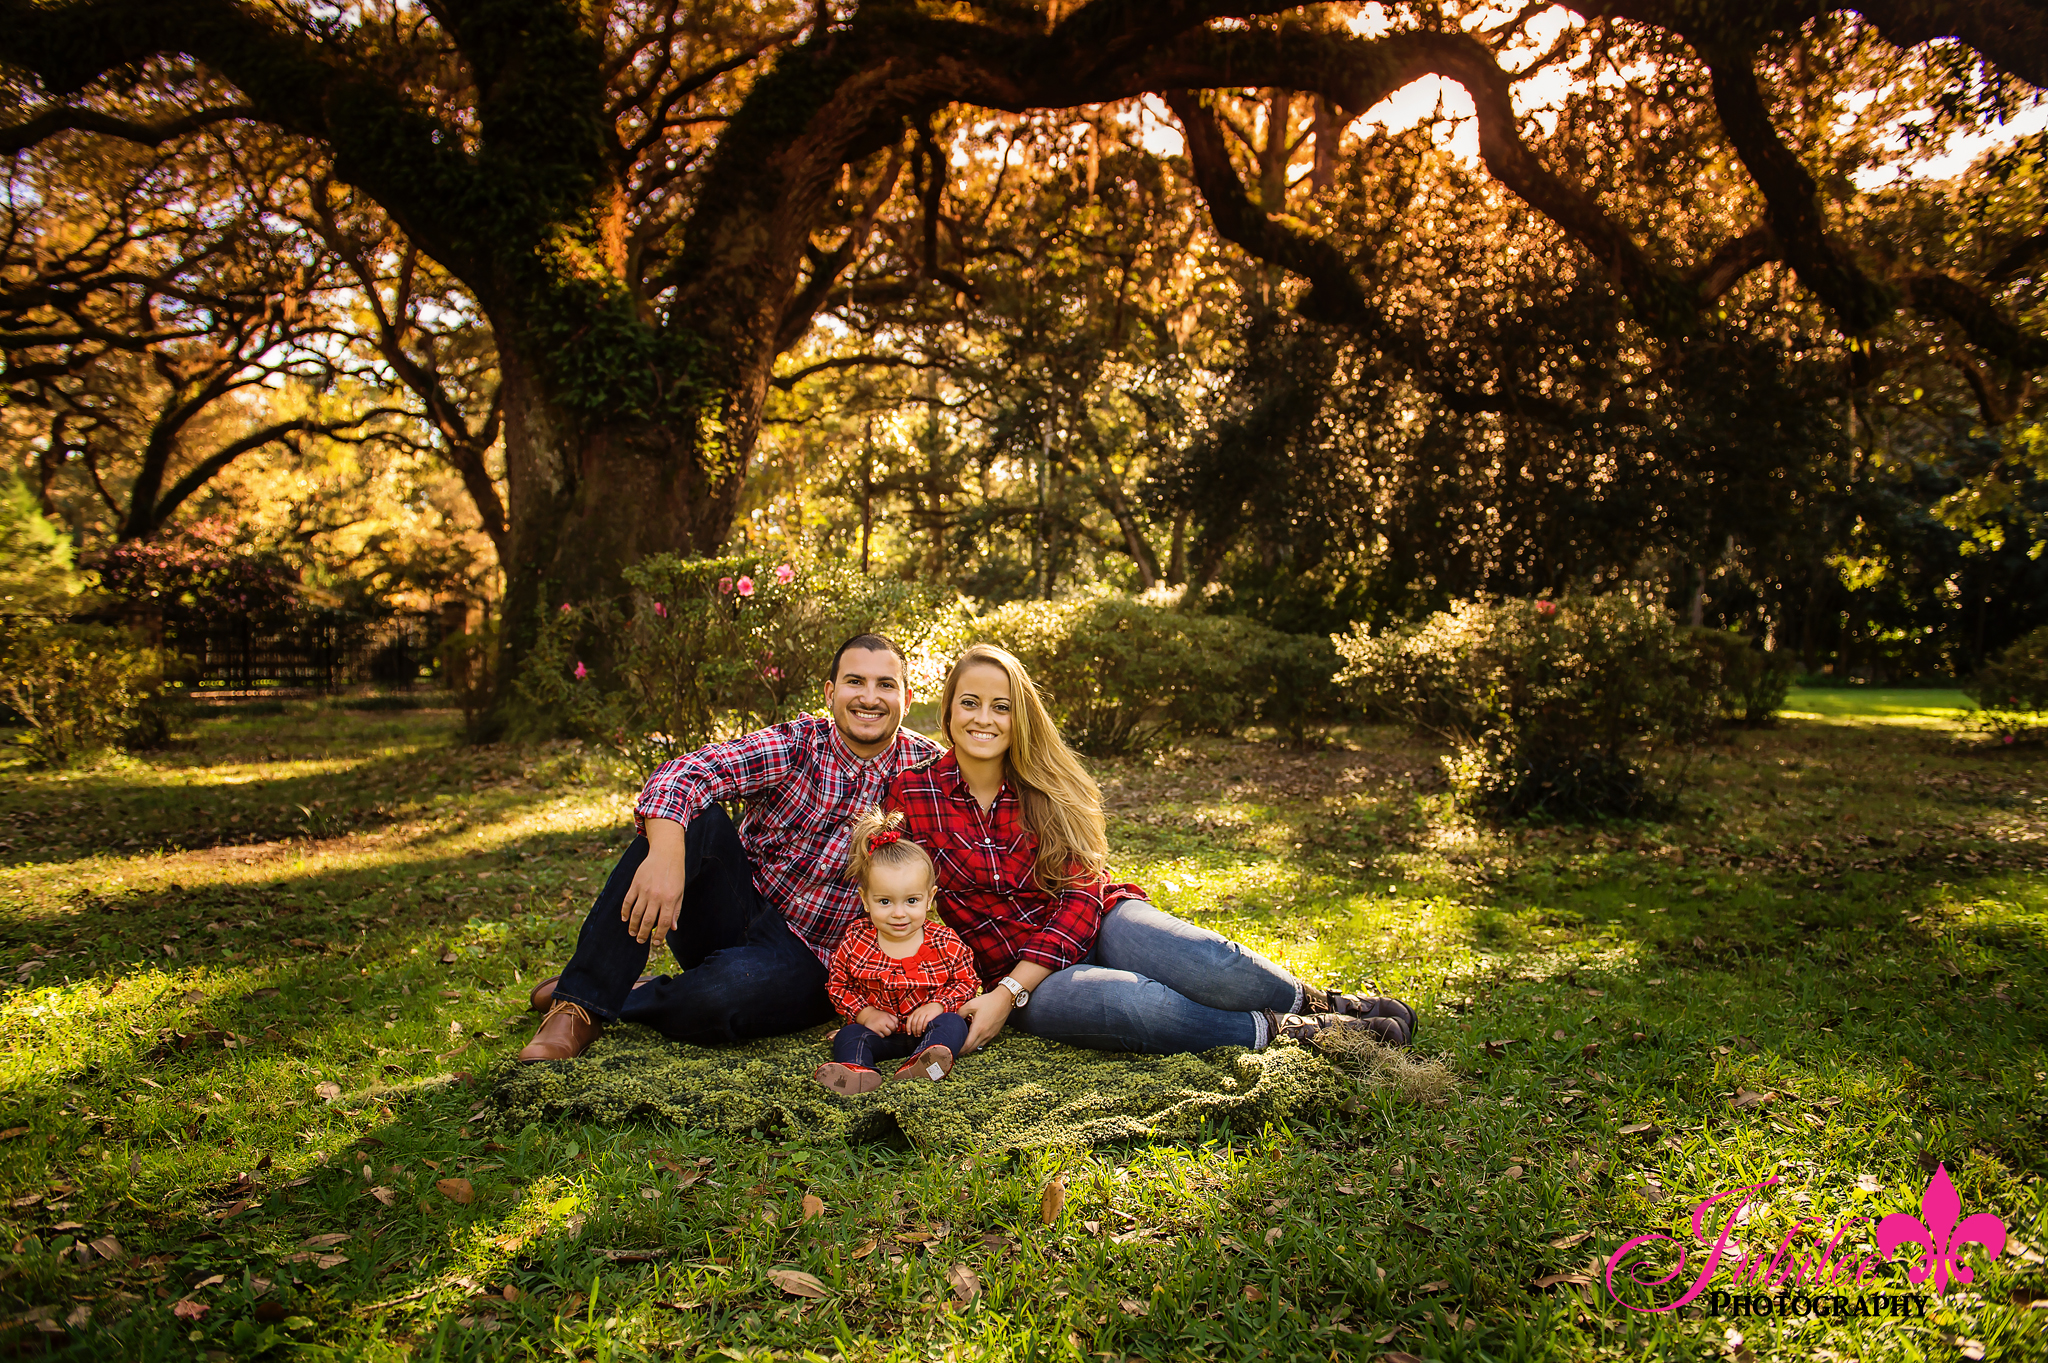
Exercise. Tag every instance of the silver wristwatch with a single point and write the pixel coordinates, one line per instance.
(1017, 991)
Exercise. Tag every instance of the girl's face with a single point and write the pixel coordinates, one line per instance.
(979, 722)
(896, 897)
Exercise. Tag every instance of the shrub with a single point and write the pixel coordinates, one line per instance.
(1121, 674)
(2012, 690)
(79, 688)
(705, 648)
(1752, 682)
(469, 666)
(1547, 705)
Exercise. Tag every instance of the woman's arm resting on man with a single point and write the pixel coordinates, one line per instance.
(986, 1013)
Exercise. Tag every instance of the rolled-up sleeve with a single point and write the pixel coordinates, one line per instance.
(685, 787)
(1069, 932)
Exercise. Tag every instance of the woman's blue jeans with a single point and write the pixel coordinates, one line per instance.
(1155, 984)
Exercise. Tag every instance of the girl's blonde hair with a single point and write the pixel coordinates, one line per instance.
(878, 840)
(1062, 804)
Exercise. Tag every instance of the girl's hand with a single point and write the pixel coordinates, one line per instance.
(877, 1021)
(922, 1018)
(986, 1014)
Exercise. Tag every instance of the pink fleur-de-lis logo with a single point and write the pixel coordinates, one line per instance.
(1940, 1237)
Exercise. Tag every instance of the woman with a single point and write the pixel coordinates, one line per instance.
(1015, 827)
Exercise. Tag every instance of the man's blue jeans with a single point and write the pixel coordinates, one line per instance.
(1155, 984)
(744, 973)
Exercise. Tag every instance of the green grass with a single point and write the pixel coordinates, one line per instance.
(1846, 916)
(1903, 705)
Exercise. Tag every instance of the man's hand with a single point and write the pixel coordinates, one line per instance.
(922, 1018)
(879, 1022)
(986, 1014)
(655, 898)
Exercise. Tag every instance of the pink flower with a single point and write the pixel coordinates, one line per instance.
(785, 574)
(661, 610)
(565, 608)
(581, 671)
(775, 674)
(1546, 608)
(724, 586)
(746, 586)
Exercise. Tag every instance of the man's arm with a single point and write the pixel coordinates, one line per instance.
(677, 793)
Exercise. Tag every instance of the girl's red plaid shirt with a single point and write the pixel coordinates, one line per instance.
(862, 975)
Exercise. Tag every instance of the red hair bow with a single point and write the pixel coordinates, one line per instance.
(882, 839)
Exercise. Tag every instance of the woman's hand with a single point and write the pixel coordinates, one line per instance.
(986, 1014)
(655, 898)
(922, 1018)
(879, 1022)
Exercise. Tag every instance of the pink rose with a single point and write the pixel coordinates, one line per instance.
(775, 674)
(1546, 608)
(565, 608)
(746, 586)
(581, 671)
(785, 574)
(724, 586)
(661, 610)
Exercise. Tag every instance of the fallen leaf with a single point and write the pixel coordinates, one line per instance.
(1745, 1099)
(865, 1248)
(324, 1241)
(1132, 1307)
(1439, 1285)
(966, 1286)
(1590, 1051)
(189, 1310)
(1569, 1241)
(1557, 1035)
(329, 1260)
(1092, 1227)
(1052, 1201)
(631, 1256)
(1640, 1129)
(1553, 1279)
(107, 1247)
(192, 998)
(797, 1284)
(1273, 1235)
(456, 1190)
(1253, 1294)
(1867, 1183)
(448, 956)
(1514, 1171)
(11, 1132)
(813, 1206)
(327, 1089)
(387, 1196)
(28, 1201)
(1396, 1356)
(1972, 1349)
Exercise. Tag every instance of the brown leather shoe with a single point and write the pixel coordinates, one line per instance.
(564, 1034)
(544, 993)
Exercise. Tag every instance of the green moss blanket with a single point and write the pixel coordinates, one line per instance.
(1018, 1093)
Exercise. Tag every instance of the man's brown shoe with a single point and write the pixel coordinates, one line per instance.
(564, 1034)
(543, 993)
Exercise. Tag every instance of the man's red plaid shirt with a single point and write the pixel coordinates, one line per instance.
(985, 861)
(803, 790)
(862, 975)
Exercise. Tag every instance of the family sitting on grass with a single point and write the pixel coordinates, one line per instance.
(1002, 832)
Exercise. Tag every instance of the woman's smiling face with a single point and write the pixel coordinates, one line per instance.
(979, 721)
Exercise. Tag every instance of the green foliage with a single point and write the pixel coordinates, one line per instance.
(1122, 675)
(2012, 689)
(1752, 681)
(36, 572)
(703, 649)
(79, 688)
(469, 668)
(1547, 705)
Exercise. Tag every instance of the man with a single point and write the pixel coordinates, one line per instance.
(750, 912)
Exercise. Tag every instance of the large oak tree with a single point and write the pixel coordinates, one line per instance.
(651, 201)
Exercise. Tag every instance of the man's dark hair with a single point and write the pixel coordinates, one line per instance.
(874, 643)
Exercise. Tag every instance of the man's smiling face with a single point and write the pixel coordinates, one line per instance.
(867, 699)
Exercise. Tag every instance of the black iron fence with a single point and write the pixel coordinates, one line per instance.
(314, 649)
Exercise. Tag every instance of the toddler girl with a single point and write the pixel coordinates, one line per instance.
(896, 978)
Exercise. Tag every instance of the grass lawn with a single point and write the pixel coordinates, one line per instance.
(1927, 708)
(254, 975)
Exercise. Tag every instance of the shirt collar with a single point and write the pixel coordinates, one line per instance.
(948, 772)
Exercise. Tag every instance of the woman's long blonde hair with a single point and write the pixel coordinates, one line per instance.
(1062, 804)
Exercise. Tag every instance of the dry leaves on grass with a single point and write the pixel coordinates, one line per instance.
(797, 1283)
(327, 1090)
(813, 1206)
(1570, 1241)
(1745, 1099)
(966, 1286)
(456, 1190)
(1053, 1200)
(1417, 1079)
